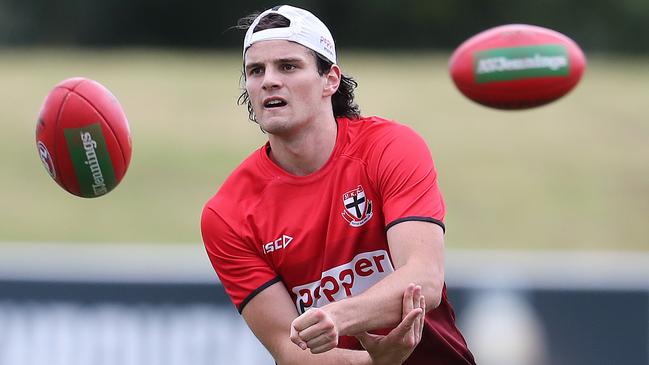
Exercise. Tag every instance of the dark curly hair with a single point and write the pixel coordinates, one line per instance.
(342, 100)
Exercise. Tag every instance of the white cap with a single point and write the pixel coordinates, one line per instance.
(305, 29)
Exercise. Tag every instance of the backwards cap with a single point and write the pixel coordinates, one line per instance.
(305, 29)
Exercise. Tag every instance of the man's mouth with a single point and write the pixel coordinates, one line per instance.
(274, 103)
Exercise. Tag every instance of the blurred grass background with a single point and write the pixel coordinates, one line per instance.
(570, 175)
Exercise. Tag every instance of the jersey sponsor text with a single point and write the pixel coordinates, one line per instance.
(352, 278)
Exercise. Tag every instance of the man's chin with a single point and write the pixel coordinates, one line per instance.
(274, 125)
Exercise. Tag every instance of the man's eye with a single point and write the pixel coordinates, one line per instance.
(288, 67)
(254, 71)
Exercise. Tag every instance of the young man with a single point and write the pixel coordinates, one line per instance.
(319, 235)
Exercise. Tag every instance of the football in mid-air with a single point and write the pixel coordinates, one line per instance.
(517, 66)
(83, 137)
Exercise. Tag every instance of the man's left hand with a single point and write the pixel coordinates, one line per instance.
(316, 330)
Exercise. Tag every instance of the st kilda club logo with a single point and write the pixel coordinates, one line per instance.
(358, 209)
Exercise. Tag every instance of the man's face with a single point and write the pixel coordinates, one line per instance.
(284, 86)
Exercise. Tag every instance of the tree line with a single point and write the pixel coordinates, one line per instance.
(597, 25)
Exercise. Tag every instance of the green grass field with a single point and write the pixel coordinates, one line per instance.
(570, 175)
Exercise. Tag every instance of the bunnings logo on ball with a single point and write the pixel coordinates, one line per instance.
(91, 160)
(504, 64)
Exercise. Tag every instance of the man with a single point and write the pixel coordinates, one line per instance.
(319, 235)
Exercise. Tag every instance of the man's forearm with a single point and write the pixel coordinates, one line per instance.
(417, 252)
(359, 313)
(296, 356)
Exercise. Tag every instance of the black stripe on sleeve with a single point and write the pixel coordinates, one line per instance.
(416, 218)
(257, 291)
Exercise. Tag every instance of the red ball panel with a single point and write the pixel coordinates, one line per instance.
(107, 105)
(83, 138)
(517, 66)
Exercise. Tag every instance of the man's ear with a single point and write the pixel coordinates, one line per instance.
(332, 80)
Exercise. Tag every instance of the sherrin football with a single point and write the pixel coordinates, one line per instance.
(83, 137)
(517, 66)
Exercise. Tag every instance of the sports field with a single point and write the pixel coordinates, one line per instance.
(570, 175)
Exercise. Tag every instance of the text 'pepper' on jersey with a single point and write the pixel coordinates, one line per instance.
(345, 280)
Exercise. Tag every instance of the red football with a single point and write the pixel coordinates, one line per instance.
(517, 66)
(83, 137)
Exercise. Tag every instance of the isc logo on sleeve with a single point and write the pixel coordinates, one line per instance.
(277, 244)
(343, 281)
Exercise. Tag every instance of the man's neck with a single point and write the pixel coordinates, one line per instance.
(307, 150)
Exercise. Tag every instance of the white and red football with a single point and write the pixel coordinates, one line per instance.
(517, 66)
(83, 137)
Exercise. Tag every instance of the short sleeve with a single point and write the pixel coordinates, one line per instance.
(241, 269)
(407, 178)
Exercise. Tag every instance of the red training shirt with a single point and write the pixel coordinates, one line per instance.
(324, 235)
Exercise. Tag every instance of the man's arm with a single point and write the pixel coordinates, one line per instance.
(406, 335)
(269, 315)
(417, 250)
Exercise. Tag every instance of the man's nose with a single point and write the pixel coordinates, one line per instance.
(272, 79)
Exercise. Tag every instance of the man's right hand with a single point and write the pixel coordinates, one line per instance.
(396, 346)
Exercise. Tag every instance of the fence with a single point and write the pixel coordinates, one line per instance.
(141, 304)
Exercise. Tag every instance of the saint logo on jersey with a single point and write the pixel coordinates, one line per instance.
(358, 209)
